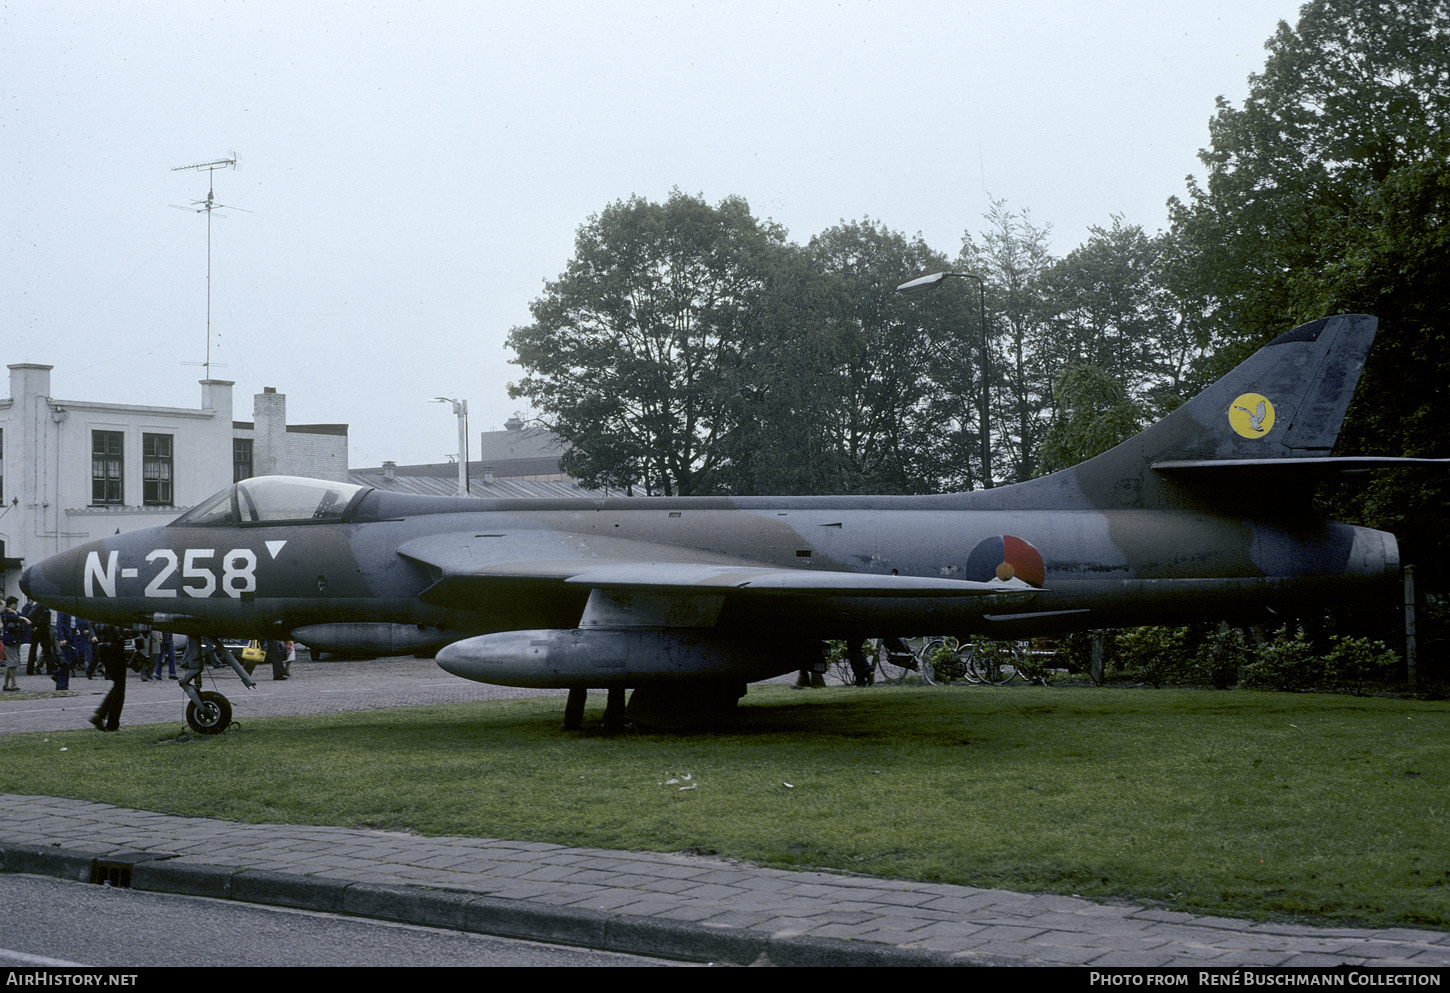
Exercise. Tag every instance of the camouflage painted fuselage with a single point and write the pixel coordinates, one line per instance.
(1101, 567)
(1205, 515)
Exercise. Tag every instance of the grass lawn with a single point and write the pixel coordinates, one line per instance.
(1234, 802)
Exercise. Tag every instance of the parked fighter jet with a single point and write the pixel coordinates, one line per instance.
(1206, 514)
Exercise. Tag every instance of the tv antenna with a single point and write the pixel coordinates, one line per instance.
(208, 205)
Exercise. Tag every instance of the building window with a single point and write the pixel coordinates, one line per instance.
(156, 470)
(241, 459)
(106, 465)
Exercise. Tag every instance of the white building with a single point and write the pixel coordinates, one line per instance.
(281, 449)
(75, 470)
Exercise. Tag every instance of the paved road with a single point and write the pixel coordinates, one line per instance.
(60, 923)
(671, 905)
(313, 688)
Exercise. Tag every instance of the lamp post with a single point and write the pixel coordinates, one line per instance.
(460, 409)
(928, 282)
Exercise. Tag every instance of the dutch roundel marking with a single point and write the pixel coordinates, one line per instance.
(1251, 415)
(1006, 557)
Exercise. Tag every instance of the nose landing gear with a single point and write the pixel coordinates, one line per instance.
(209, 712)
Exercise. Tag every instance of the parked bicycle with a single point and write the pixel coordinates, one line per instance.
(885, 660)
(942, 660)
(980, 660)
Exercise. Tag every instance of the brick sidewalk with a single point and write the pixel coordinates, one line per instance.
(677, 906)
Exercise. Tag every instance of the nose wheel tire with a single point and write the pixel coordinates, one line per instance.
(213, 716)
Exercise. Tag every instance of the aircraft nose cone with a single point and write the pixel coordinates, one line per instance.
(53, 581)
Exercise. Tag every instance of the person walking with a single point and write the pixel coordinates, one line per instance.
(111, 654)
(165, 652)
(85, 646)
(13, 628)
(42, 638)
(277, 655)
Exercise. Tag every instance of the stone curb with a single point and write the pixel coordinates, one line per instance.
(39, 860)
(460, 911)
(185, 879)
(408, 904)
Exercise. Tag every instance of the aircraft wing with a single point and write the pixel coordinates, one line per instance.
(657, 577)
(469, 567)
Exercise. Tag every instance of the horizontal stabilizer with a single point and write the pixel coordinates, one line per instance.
(1286, 470)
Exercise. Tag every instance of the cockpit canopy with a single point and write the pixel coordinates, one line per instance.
(275, 500)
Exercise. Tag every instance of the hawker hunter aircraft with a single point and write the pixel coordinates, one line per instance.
(1204, 515)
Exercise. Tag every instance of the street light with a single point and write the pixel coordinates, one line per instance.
(460, 408)
(928, 282)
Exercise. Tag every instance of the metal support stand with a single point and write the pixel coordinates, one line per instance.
(614, 709)
(1411, 649)
(574, 708)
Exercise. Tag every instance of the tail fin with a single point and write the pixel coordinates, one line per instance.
(1261, 434)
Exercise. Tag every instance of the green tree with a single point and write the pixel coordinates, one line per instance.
(1094, 413)
(840, 390)
(788, 391)
(1014, 257)
(1353, 92)
(635, 351)
(884, 423)
(1398, 269)
(1114, 309)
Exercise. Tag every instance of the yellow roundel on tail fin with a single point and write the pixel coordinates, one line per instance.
(1251, 415)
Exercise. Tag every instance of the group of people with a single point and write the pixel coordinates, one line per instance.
(17, 634)
(67, 647)
(75, 644)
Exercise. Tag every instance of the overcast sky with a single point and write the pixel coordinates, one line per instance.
(412, 173)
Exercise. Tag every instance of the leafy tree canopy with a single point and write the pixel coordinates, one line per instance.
(843, 378)
(1094, 413)
(1353, 92)
(634, 351)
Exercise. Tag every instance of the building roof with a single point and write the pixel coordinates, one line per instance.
(334, 429)
(517, 462)
(442, 480)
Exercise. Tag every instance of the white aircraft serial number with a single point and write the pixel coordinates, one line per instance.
(198, 576)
